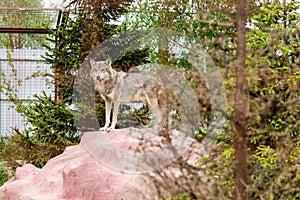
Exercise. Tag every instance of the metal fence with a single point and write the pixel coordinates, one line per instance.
(21, 69)
(23, 31)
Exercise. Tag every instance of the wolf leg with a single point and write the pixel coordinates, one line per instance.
(153, 103)
(108, 105)
(161, 117)
(115, 115)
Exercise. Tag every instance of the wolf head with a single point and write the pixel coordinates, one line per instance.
(101, 70)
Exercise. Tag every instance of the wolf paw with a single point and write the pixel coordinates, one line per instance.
(107, 129)
(103, 128)
(110, 128)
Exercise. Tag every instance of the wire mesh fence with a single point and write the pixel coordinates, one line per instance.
(23, 33)
(23, 70)
(29, 18)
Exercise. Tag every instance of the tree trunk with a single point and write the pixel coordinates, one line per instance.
(241, 106)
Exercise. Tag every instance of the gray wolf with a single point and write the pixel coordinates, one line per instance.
(117, 87)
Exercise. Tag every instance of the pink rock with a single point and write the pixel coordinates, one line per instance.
(104, 166)
(23, 172)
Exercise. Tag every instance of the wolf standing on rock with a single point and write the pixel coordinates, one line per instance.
(120, 87)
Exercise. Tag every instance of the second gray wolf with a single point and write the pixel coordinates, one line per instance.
(117, 87)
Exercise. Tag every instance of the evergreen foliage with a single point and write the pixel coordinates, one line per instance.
(49, 128)
(49, 121)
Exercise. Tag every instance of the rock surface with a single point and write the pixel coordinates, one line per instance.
(104, 166)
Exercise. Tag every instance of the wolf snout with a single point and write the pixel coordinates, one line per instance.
(98, 78)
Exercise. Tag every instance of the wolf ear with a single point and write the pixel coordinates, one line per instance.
(92, 63)
(108, 62)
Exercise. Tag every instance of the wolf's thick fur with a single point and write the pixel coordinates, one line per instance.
(120, 87)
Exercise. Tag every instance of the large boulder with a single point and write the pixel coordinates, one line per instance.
(104, 166)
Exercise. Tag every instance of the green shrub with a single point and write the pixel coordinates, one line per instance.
(49, 121)
(50, 128)
(4, 174)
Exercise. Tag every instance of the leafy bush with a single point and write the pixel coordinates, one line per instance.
(272, 61)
